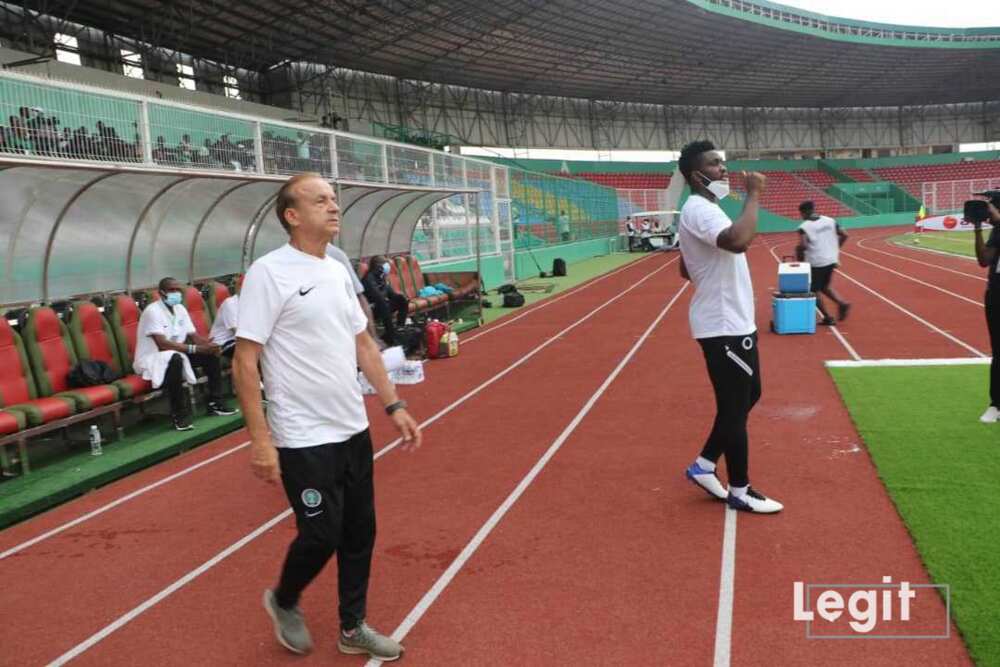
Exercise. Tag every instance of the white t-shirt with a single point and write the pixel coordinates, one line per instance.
(304, 311)
(723, 298)
(224, 326)
(823, 244)
(149, 361)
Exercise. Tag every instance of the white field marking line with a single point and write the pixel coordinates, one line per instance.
(839, 336)
(978, 304)
(549, 302)
(932, 250)
(861, 244)
(166, 592)
(727, 585)
(446, 577)
(115, 503)
(956, 361)
(236, 546)
(914, 316)
(111, 505)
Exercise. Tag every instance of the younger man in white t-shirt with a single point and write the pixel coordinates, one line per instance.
(713, 257)
(820, 239)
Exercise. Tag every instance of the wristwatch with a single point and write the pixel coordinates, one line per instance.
(392, 407)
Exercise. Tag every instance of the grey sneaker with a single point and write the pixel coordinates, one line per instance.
(289, 626)
(366, 640)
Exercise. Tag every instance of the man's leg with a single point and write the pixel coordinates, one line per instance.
(733, 382)
(382, 312)
(213, 371)
(310, 477)
(400, 306)
(993, 325)
(173, 386)
(354, 556)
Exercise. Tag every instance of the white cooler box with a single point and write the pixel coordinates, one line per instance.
(793, 277)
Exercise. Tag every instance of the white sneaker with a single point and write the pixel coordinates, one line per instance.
(707, 480)
(754, 502)
(991, 415)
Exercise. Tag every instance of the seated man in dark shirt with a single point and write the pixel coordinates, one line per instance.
(383, 298)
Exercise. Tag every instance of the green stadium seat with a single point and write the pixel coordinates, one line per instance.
(51, 355)
(17, 384)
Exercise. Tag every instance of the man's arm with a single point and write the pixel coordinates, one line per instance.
(365, 306)
(246, 380)
(739, 235)
(841, 236)
(800, 249)
(370, 361)
(201, 347)
(684, 270)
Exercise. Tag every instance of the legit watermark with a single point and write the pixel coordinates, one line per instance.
(888, 610)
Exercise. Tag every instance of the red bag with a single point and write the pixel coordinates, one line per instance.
(433, 332)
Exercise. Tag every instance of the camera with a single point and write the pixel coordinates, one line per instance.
(977, 210)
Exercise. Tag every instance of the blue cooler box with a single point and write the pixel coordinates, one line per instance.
(793, 277)
(794, 314)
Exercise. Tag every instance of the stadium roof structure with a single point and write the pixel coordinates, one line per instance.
(721, 53)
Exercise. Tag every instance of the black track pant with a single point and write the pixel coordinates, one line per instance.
(734, 368)
(331, 490)
(173, 380)
(993, 324)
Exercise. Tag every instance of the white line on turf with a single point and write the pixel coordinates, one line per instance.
(913, 315)
(974, 302)
(933, 250)
(727, 585)
(861, 244)
(135, 494)
(549, 302)
(958, 361)
(115, 503)
(470, 548)
(236, 546)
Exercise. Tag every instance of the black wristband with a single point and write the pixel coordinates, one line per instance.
(392, 407)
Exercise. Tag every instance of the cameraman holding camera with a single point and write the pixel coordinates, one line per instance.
(988, 254)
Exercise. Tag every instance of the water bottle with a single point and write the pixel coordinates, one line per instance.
(95, 440)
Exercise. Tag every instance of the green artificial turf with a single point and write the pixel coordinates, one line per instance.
(942, 469)
(958, 243)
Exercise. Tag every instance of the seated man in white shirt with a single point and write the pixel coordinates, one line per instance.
(167, 346)
(223, 331)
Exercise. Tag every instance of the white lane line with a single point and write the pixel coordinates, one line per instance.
(974, 302)
(952, 361)
(115, 503)
(727, 587)
(913, 315)
(135, 494)
(236, 546)
(933, 250)
(442, 582)
(861, 244)
(549, 302)
(836, 333)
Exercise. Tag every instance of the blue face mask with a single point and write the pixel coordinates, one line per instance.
(386, 268)
(172, 299)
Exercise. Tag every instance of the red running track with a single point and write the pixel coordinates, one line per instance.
(608, 557)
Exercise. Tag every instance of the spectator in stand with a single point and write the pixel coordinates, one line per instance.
(302, 148)
(185, 150)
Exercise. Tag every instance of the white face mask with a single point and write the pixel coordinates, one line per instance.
(720, 189)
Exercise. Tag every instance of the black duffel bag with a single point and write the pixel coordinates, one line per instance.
(89, 373)
(513, 300)
(559, 267)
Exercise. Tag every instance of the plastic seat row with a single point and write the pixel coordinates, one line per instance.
(35, 395)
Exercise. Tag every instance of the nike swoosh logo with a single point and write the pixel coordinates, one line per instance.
(310, 515)
(303, 292)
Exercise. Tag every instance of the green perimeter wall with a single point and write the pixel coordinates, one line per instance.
(492, 267)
